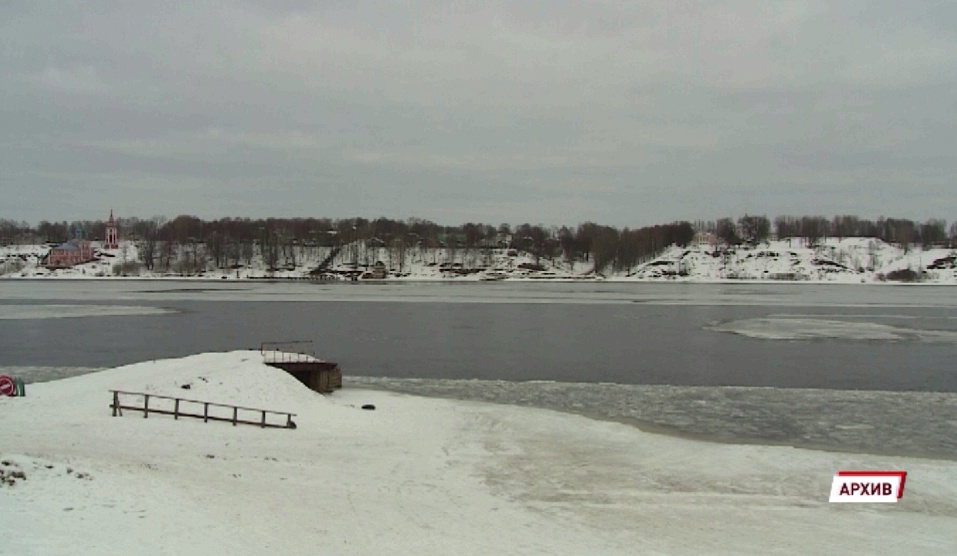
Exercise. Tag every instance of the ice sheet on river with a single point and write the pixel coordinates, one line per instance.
(744, 294)
(773, 328)
(68, 311)
(32, 374)
(891, 423)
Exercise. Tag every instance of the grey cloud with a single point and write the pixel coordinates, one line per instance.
(555, 112)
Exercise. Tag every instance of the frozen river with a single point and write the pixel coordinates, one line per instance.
(729, 362)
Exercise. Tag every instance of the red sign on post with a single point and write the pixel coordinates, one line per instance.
(7, 387)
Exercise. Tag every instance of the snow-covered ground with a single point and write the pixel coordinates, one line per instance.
(416, 476)
(849, 260)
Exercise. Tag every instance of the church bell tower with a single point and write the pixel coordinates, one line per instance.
(110, 242)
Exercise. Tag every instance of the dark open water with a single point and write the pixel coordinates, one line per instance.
(666, 347)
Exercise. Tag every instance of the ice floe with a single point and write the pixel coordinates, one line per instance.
(771, 328)
(70, 311)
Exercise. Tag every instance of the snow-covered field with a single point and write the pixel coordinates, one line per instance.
(849, 260)
(416, 476)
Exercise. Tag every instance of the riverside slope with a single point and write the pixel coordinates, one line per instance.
(849, 260)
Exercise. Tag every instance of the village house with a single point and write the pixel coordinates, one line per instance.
(378, 272)
(704, 238)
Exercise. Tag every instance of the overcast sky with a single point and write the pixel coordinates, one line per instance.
(552, 112)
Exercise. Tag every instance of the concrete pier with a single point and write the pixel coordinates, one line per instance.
(321, 376)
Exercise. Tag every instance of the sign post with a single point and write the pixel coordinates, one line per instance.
(7, 386)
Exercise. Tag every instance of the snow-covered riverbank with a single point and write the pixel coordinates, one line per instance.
(849, 261)
(417, 475)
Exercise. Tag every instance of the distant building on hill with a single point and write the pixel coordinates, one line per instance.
(704, 238)
(111, 235)
(450, 239)
(71, 253)
(378, 271)
(79, 249)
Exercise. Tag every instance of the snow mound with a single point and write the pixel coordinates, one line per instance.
(238, 378)
(235, 378)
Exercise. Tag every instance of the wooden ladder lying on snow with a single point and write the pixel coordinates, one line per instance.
(177, 412)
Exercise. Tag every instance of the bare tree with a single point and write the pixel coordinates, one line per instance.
(217, 249)
(248, 251)
(727, 231)
(605, 248)
(167, 254)
(754, 229)
(148, 243)
(933, 232)
(397, 250)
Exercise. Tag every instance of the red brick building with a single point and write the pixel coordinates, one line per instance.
(71, 253)
(78, 250)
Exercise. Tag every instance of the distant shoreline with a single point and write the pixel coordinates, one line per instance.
(422, 280)
(847, 261)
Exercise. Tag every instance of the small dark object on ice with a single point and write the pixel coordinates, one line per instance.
(10, 477)
(186, 386)
(369, 406)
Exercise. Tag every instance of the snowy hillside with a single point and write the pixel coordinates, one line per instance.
(351, 261)
(850, 260)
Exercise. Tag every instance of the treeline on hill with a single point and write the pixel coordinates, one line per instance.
(811, 229)
(235, 241)
(230, 241)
